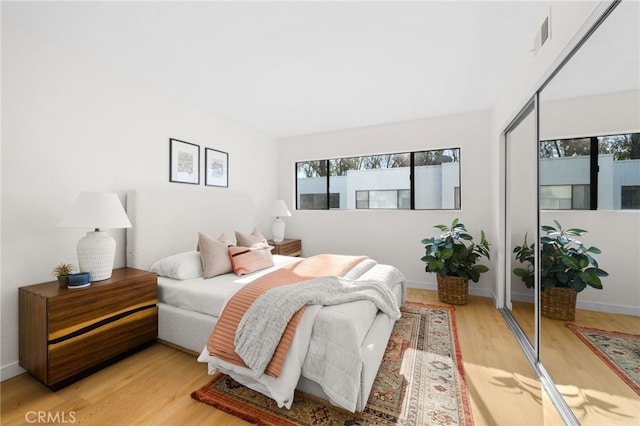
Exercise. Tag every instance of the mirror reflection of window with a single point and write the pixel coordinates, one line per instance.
(596, 173)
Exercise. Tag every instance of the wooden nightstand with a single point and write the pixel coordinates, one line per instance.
(67, 333)
(288, 247)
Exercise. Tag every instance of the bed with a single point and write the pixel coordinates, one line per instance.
(166, 225)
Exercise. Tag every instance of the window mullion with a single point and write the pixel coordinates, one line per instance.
(593, 174)
(412, 186)
(328, 164)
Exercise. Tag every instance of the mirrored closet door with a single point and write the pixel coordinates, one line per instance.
(521, 219)
(589, 157)
(578, 143)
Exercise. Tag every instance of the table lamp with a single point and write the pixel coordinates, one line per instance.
(96, 250)
(279, 208)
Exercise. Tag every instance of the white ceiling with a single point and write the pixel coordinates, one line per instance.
(291, 68)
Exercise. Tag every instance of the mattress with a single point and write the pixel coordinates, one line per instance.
(208, 296)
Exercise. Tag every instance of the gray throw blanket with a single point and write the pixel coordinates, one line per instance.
(261, 327)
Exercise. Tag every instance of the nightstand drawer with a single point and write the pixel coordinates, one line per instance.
(69, 314)
(75, 354)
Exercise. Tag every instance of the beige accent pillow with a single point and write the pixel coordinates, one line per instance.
(255, 239)
(214, 255)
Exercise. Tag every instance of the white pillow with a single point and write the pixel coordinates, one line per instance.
(181, 266)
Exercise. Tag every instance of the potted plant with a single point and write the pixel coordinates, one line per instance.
(453, 257)
(62, 272)
(566, 268)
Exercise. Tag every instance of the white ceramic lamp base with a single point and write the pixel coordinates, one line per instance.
(96, 253)
(277, 230)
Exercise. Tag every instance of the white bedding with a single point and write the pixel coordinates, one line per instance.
(326, 348)
(208, 296)
(334, 356)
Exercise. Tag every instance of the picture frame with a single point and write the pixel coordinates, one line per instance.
(216, 168)
(184, 162)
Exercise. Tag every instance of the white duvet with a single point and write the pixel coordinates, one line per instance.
(326, 347)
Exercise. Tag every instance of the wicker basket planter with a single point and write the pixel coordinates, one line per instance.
(559, 303)
(453, 290)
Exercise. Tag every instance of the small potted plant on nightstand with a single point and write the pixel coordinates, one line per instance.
(566, 268)
(453, 256)
(62, 272)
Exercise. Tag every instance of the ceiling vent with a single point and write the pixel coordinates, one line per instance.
(543, 34)
(544, 31)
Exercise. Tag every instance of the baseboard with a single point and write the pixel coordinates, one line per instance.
(611, 309)
(483, 292)
(421, 285)
(11, 370)
(586, 305)
(520, 297)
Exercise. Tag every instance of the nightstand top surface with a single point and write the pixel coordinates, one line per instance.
(52, 288)
(285, 241)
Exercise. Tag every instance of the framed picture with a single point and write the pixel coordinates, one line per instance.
(184, 162)
(217, 168)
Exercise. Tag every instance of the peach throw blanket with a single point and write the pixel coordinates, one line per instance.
(220, 343)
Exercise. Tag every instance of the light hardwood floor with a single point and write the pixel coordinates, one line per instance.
(596, 395)
(153, 387)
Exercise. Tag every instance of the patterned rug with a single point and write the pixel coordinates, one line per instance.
(420, 382)
(620, 351)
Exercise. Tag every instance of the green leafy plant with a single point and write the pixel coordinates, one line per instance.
(564, 260)
(454, 253)
(63, 269)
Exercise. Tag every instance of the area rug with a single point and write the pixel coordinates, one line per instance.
(420, 382)
(620, 351)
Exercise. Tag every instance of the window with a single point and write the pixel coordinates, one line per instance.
(564, 197)
(457, 199)
(385, 199)
(437, 179)
(408, 180)
(630, 196)
(599, 172)
(319, 201)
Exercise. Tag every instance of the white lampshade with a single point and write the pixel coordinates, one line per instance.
(279, 208)
(96, 210)
(96, 250)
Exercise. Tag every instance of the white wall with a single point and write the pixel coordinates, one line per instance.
(392, 236)
(68, 125)
(597, 115)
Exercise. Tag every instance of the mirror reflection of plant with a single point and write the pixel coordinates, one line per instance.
(454, 253)
(564, 260)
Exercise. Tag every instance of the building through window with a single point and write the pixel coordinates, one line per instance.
(409, 180)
